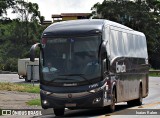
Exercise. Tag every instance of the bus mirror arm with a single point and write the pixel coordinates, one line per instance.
(32, 51)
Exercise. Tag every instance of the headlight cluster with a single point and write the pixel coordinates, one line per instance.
(46, 92)
(95, 90)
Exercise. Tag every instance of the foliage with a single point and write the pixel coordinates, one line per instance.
(17, 35)
(28, 11)
(154, 74)
(5, 4)
(140, 15)
(15, 42)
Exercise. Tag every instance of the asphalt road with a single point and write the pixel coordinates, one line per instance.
(13, 78)
(10, 78)
(150, 103)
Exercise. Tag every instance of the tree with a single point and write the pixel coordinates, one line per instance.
(17, 35)
(5, 4)
(27, 11)
(28, 14)
(140, 15)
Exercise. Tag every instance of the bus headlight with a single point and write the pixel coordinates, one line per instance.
(46, 92)
(44, 102)
(95, 90)
(96, 100)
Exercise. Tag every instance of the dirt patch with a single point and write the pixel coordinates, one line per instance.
(17, 100)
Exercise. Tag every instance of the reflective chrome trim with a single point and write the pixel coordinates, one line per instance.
(67, 95)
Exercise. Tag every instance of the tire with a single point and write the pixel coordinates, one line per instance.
(138, 101)
(113, 100)
(130, 103)
(59, 112)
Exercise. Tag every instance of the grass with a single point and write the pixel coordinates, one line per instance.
(34, 102)
(154, 75)
(22, 88)
(19, 87)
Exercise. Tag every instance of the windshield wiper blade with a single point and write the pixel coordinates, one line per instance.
(59, 79)
(71, 75)
(80, 75)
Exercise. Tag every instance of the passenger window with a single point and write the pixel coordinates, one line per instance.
(125, 39)
(113, 43)
(120, 44)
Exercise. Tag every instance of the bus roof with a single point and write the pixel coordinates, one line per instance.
(80, 27)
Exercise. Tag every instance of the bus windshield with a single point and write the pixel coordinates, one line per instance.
(71, 60)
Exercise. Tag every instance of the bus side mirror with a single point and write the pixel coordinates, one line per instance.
(102, 50)
(104, 64)
(32, 51)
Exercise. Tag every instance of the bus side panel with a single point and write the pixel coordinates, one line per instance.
(127, 82)
(128, 57)
(129, 75)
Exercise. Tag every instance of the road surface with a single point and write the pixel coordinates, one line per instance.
(13, 78)
(150, 103)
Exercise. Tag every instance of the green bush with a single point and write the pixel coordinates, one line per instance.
(11, 65)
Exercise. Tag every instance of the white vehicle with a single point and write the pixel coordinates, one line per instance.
(28, 70)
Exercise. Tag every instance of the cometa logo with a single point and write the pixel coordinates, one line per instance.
(120, 68)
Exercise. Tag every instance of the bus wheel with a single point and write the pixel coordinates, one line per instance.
(130, 103)
(59, 112)
(140, 99)
(113, 100)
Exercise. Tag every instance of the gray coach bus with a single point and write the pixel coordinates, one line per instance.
(91, 63)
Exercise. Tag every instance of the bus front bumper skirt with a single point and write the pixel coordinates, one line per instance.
(72, 100)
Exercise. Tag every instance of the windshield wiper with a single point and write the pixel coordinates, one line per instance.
(80, 75)
(58, 78)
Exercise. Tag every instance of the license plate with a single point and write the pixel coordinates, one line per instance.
(70, 105)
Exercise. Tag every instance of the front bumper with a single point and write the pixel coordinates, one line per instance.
(72, 100)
